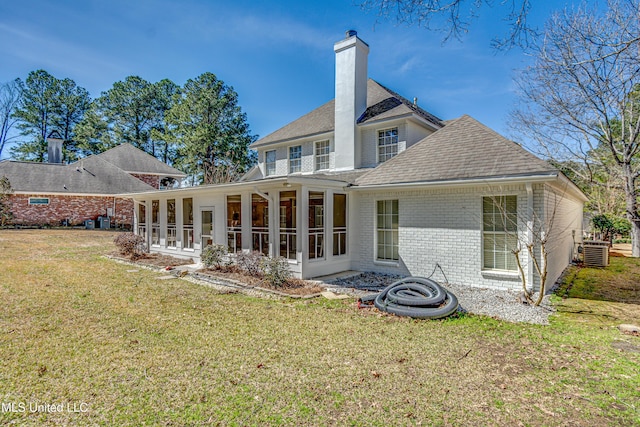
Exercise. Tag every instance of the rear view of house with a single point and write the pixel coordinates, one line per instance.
(371, 181)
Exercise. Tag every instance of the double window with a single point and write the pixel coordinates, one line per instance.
(295, 159)
(499, 232)
(387, 144)
(322, 155)
(387, 230)
(270, 163)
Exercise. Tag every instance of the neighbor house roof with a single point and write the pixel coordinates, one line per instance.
(382, 104)
(91, 175)
(463, 149)
(133, 160)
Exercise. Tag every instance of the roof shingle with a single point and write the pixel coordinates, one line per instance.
(463, 149)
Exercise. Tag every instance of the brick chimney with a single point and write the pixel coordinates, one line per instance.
(351, 98)
(54, 147)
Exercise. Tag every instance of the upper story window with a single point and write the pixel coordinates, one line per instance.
(270, 163)
(387, 144)
(322, 155)
(295, 159)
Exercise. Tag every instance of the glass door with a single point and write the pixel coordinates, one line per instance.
(207, 227)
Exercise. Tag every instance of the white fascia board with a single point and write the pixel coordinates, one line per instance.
(460, 182)
(53, 193)
(407, 116)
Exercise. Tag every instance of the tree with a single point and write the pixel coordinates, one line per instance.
(5, 201)
(132, 111)
(48, 104)
(213, 131)
(580, 101)
(10, 95)
(454, 17)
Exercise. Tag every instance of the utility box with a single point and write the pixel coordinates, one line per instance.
(596, 253)
(104, 222)
(89, 224)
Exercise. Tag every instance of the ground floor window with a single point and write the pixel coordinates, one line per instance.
(171, 223)
(259, 224)
(38, 200)
(187, 223)
(387, 230)
(499, 232)
(142, 220)
(339, 224)
(316, 224)
(155, 222)
(288, 224)
(234, 223)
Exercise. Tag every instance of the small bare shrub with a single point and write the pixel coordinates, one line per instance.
(213, 255)
(276, 270)
(130, 244)
(250, 262)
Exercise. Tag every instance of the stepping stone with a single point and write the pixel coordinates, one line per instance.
(167, 277)
(333, 295)
(132, 271)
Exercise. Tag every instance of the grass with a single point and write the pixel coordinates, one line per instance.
(77, 328)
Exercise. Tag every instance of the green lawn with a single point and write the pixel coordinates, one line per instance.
(129, 349)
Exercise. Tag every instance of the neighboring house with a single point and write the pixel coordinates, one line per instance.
(372, 182)
(54, 193)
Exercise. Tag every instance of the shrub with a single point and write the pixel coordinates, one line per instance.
(130, 244)
(276, 270)
(250, 262)
(213, 255)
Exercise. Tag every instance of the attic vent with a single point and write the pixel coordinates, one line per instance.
(596, 254)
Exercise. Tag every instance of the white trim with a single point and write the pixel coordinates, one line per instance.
(460, 182)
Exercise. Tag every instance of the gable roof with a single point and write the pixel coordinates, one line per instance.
(463, 149)
(91, 175)
(133, 160)
(382, 103)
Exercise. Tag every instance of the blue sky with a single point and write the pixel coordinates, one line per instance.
(278, 56)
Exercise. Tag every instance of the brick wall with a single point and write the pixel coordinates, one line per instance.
(152, 180)
(74, 208)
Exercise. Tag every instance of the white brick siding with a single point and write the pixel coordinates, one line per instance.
(440, 226)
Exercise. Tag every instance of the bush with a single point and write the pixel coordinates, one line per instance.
(130, 244)
(276, 270)
(250, 262)
(213, 255)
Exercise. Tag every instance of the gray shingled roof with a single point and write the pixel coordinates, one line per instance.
(463, 149)
(88, 176)
(382, 103)
(134, 160)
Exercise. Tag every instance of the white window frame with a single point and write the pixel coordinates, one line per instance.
(498, 220)
(387, 146)
(379, 229)
(295, 163)
(270, 166)
(322, 158)
(38, 200)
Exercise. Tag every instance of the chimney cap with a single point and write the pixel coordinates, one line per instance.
(351, 33)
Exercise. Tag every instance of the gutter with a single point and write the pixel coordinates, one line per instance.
(461, 182)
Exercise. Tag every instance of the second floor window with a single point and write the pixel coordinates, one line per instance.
(322, 155)
(270, 163)
(295, 159)
(387, 144)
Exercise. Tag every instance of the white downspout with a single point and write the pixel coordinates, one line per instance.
(530, 225)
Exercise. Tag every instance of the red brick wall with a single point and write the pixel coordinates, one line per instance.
(152, 180)
(74, 208)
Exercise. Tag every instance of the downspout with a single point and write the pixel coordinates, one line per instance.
(530, 225)
(272, 232)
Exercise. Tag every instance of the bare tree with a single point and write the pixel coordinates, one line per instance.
(454, 17)
(10, 95)
(580, 101)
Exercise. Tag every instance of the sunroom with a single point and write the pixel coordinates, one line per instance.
(303, 219)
